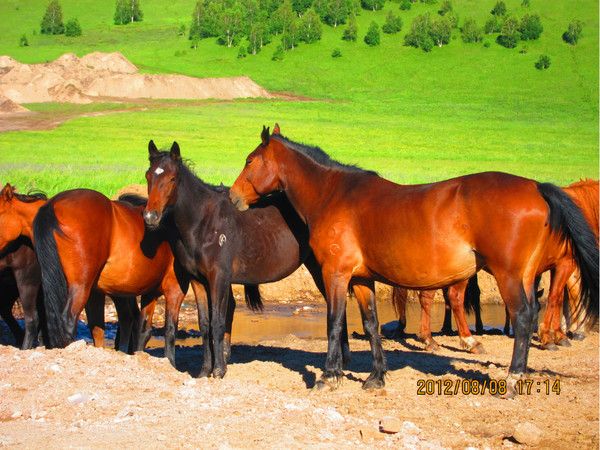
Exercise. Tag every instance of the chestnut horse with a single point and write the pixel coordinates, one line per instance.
(219, 246)
(89, 246)
(21, 273)
(365, 228)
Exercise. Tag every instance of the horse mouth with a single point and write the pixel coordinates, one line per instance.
(152, 219)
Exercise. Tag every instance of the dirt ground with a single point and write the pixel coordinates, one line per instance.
(82, 396)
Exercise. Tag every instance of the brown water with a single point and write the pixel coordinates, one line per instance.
(308, 320)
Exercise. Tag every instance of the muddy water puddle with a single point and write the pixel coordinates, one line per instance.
(307, 320)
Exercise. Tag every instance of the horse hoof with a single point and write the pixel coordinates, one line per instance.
(205, 372)
(373, 383)
(550, 346)
(219, 373)
(477, 349)
(578, 336)
(329, 381)
(511, 392)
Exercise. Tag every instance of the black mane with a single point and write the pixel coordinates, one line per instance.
(133, 199)
(184, 167)
(320, 157)
(31, 196)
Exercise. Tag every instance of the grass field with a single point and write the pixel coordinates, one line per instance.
(414, 117)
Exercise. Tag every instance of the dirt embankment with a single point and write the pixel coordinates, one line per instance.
(104, 76)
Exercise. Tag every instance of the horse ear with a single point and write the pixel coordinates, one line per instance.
(276, 129)
(7, 192)
(175, 152)
(152, 150)
(264, 136)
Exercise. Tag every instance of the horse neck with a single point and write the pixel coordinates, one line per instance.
(193, 197)
(26, 213)
(305, 183)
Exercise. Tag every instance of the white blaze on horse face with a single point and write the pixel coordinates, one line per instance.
(159, 170)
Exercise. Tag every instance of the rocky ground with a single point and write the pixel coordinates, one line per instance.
(82, 396)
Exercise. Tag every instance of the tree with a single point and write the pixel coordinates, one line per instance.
(493, 25)
(310, 27)
(334, 12)
(205, 20)
(471, 32)
(52, 23)
(135, 12)
(393, 24)
(231, 24)
(445, 8)
(405, 5)
(441, 31)
(23, 42)
(499, 9)
(242, 52)
(530, 27)
(72, 28)
(301, 6)
(282, 18)
(351, 31)
(509, 34)
(372, 37)
(543, 62)
(291, 36)
(257, 37)
(571, 36)
(373, 5)
(419, 35)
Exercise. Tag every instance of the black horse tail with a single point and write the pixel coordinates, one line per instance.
(253, 298)
(472, 296)
(54, 282)
(567, 220)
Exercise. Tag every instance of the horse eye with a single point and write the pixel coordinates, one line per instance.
(248, 161)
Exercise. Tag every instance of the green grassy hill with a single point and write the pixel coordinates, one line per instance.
(413, 116)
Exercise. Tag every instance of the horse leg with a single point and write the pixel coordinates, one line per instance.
(447, 326)
(576, 325)
(8, 296)
(94, 310)
(473, 294)
(549, 332)
(128, 313)
(519, 298)
(228, 326)
(336, 287)
(173, 298)
(399, 299)
(204, 310)
(28, 284)
(220, 285)
(426, 300)
(506, 329)
(144, 330)
(313, 267)
(365, 295)
(456, 297)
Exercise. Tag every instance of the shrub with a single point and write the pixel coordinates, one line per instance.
(571, 36)
(182, 29)
(310, 27)
(509, 34)
(523, 50)
(72, 28)
(372, 37)
(52, 23)
(441, 31)
(486, 44)
(336, 53)
(278, 54)
(471, 32)
(23, 42)
(525, 3)
(499, 9)
(373, 5)
(393, 24)
(543, 62)
(405, 5)
(530, 27)
(420, 33)
(242, 52)
(445, 8)
(351, 31)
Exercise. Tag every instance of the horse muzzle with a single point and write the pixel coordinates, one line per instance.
(238, 201)
(152, 219)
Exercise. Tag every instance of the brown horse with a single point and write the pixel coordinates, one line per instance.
(365, 228)
(219, 246)
(21, 273)
(89, 246)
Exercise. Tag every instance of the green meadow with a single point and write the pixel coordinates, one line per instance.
(414, 117)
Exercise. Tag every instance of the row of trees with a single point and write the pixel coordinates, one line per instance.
(52, 23)
(127, 11)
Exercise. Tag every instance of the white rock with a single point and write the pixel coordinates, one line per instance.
(76, 346)
(77, 398)
(527, 433)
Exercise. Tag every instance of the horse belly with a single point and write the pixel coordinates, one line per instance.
(129, 276)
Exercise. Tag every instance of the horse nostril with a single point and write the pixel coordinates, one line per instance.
(151, 217)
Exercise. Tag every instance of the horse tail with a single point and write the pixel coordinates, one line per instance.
(399, 299)
(472, 296)
(253, 298)
(567, 220)
(54, 282)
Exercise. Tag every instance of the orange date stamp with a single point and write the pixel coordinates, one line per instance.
(447, 386)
